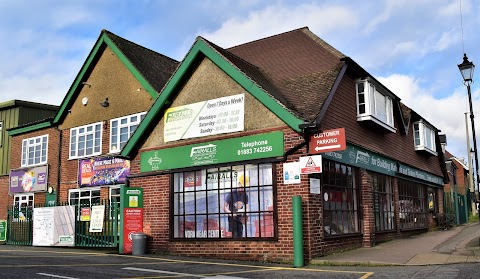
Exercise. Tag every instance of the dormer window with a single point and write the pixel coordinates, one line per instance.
(373, 105)
(424, 137)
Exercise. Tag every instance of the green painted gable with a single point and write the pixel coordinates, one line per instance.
(198, 51)
(103, 41)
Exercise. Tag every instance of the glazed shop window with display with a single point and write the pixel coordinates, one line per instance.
(413, 212)
(383, 203)
(226, 202)
(340, 199)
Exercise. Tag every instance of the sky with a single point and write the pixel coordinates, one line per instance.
(411, 47)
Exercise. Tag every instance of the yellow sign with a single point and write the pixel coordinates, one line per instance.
(133, 201)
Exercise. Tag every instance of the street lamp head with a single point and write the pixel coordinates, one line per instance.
(466, 69)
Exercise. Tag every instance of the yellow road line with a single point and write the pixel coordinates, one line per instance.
(260, 268)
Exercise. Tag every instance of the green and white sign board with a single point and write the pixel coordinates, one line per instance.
(362, 158)
(416, 173)
(3, 230)
(215, 152)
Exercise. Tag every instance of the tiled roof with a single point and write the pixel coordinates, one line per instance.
(295, 67)
(154, 67)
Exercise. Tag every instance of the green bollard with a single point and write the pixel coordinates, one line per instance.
(297, 231)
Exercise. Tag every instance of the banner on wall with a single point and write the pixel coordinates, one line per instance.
(103, 171)
(212, 117)
(28, 180)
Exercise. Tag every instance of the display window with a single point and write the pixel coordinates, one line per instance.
(384, 204)
(412, 204)
(340, 199)
(226, 202)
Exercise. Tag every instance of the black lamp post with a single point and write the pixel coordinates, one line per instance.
(466, 69)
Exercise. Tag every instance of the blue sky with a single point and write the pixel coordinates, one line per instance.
(413, 49)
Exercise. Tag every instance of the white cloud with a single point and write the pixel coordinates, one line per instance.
(446, 114)
(383, 16)
(446, 40)
(277, 19)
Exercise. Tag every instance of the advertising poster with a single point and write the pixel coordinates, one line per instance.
(54, 226)
(96, 218)
(28, 180)
(103, 171)
(291, 173)
(212, 117)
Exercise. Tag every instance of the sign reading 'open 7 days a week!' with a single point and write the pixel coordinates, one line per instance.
(215, 152)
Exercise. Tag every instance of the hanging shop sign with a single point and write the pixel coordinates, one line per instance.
(362, 158)
(131, 206)
(103, 171)
(212, 117)
(420, 174)
(28, 180)
(215, 152)
(327, 141)
(311, 164)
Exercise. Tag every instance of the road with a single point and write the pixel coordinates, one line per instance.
(45, 263)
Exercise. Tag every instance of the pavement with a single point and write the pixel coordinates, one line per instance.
(460, 244)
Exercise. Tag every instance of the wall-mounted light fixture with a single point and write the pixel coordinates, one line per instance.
(105, 103)
(86, 83)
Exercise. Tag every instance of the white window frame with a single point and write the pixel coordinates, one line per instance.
(22, 202)
(86, 197)
(75, 135)
(371, 105)
(35, 143)
(424, 137)
(112, 195)
(116, 143)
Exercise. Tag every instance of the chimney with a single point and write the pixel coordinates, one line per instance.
(443, 142)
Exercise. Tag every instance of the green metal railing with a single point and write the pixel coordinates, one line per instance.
(110, 228)
(20, 226)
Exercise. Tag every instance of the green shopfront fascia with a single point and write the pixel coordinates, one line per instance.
(413, 187)
(222, 202)
(362, 158)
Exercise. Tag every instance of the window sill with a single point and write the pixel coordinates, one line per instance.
(334, 236)
(361, 118)
(35, 165)
(422, 148)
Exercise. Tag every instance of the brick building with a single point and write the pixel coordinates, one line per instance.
(224, 138)
(258, 110)
(112, 92)
(457, 170)
(14, 114)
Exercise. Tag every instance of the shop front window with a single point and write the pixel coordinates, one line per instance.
(432, 200)
(383, 203)
(413, 212)
(340, 199)
(226, 202)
